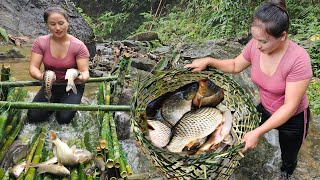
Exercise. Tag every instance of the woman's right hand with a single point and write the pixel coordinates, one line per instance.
(198, 64)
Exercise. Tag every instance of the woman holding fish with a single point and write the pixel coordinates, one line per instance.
(282, 71)
(65, 58)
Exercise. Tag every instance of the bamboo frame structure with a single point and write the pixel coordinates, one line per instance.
(60, 106)
(39, 83)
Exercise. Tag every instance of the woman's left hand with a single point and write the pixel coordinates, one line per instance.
(251, 140)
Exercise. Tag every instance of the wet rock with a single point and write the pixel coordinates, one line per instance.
(123, 125)
(12, 54)
(25, 17)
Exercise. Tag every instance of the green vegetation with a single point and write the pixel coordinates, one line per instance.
(4, 35)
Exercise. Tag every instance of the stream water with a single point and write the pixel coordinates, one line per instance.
(85, 123)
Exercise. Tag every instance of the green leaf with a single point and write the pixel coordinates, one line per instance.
(4, 34)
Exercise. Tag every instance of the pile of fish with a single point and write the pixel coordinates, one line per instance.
(64, 156)
(49, 77)
(191, 119)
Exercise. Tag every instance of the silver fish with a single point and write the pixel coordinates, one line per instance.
(19, 153)
(53, 169)
(53, 160)
(220, 133)
(159, 133)
(71, 75)
(83, 155)
(64, 153)
(18, 169)
(194, 125)
(208, 94)
(49, 78)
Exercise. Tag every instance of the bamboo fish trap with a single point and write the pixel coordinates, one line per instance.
(205, 166)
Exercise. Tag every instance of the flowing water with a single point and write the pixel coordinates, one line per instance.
(86, 128)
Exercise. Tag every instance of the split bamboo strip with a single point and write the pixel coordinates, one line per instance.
(11, 138)
(39, 83)
(34, 145)
(38, 154)
(60, 106)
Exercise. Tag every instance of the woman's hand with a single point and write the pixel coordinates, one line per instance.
(198, 64)
(251, 140)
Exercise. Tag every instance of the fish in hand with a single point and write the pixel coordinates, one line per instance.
(71, 75)
(49, 77)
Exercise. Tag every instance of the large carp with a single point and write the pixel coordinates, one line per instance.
(208, 94)
(64, 153)
(193, 126)
(173, 105)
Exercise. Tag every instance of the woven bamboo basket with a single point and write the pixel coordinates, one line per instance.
(204, 166)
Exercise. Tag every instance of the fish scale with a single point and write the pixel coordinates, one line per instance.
(194, 125)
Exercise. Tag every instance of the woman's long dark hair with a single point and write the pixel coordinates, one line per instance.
(51, 10)
(273, 14)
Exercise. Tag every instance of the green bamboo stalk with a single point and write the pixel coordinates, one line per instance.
(110, 156)
(100, 98)
(5, 76)
(122, 168)
(34, 145)
(9, 127)
(11, 138)
(60, 106)
(1, 173)
(74, 174)
(88, 165)
(115, 141)
(39, 83)
(3, 122)
(128, 167)
(38, 154)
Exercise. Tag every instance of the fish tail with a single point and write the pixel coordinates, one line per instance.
(53, 136)
(72, 86)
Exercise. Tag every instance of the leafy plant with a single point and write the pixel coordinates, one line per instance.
(314, 96)
(106, 22)
(4, 34)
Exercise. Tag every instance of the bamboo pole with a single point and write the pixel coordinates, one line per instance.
(115, 141)
(38, 154)
(11, 138)
(60, 106)
(39, 83)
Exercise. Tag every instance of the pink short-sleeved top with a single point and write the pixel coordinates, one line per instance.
(295, 65)
(77, 49)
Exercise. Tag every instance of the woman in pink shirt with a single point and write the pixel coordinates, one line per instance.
(58, 52)
(282, 71)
